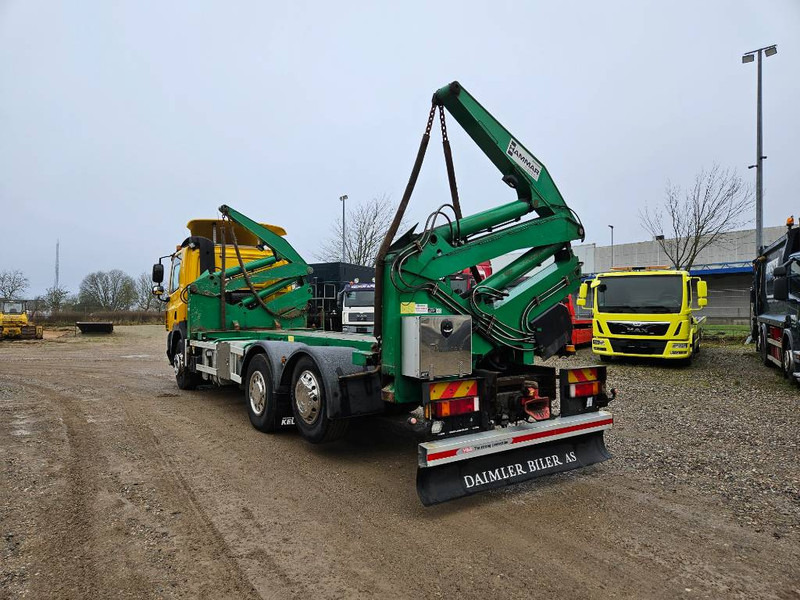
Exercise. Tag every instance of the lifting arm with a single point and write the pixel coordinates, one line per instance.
(416, 264)
(269, 292)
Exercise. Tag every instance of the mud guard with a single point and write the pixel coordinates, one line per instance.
(467, 477)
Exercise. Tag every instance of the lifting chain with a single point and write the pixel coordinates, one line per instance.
(451, 179)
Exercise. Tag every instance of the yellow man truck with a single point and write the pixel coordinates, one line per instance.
(645, 313)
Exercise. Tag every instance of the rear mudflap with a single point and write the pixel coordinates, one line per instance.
(463, 478)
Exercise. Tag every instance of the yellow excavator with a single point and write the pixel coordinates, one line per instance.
(14, 322)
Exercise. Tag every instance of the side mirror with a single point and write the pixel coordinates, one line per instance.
(582, 291)
(158, 273)
(702, 292)
(158, 290)
(780, 289)
(702, 289)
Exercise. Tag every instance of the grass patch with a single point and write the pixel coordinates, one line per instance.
(726, 332)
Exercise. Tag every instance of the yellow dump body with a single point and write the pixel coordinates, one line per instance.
(186, 264)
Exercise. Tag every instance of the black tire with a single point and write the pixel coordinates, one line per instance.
(259, 395)
(787, 361)
(185, 379)
(309, 405)
(763, 345)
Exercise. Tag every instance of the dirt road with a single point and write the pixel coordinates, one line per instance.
(115, 484)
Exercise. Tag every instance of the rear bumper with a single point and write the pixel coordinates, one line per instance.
(466, 447)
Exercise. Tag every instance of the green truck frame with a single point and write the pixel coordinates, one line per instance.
(456, 369)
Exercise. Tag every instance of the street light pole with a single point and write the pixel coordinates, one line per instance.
(612, 246)
(759, 166)
(343, 200)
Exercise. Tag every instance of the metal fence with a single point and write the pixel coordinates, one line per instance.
(728, 305)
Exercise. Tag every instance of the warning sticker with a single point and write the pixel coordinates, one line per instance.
(415, 308)
(523, 159)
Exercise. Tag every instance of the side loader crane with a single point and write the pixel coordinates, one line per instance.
(458, 368)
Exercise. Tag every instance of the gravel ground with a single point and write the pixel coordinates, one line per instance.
(725, 427)
(115, 484)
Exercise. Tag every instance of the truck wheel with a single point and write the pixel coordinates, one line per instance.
(185, 379)
(309, 405)
(260, 395)
(788, 359)
(763, 346)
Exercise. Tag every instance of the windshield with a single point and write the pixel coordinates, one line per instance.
(359, 298)
(640, 294)
(12, 308)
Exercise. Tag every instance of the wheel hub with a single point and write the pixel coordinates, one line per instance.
(788, 361)
(258, 392)
(177, 363)
(307, 396)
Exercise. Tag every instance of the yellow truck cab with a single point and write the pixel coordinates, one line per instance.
(198, 253)
(645, 313)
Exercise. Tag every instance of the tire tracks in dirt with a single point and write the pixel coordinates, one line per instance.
(78, 525)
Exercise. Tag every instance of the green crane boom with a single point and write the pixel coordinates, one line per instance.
(511, 309)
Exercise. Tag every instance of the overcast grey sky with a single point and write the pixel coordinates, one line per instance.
(121, 121)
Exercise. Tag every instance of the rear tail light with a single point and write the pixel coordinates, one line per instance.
(577, 390)
(450, 408)
(584, 390)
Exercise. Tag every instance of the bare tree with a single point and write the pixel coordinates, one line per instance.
(144, 293)
(366, 227)
(12, 284)
(55, 297)
(107, 290)
(35, 306)
(690, 220)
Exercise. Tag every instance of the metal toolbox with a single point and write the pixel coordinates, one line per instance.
(437, 346)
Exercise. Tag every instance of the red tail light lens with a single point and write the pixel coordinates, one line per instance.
(578, 390)
(449, 408)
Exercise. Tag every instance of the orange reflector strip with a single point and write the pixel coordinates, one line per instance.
(581, 375)
(453, 389)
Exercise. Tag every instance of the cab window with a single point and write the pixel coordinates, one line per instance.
(175, 274)
(794, 278)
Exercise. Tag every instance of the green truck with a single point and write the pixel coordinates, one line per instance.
(456, 368)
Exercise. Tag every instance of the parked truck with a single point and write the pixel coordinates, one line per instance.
(342, 297)
(775, 298)
(581, 322)
(457, 370)
(643, 312)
